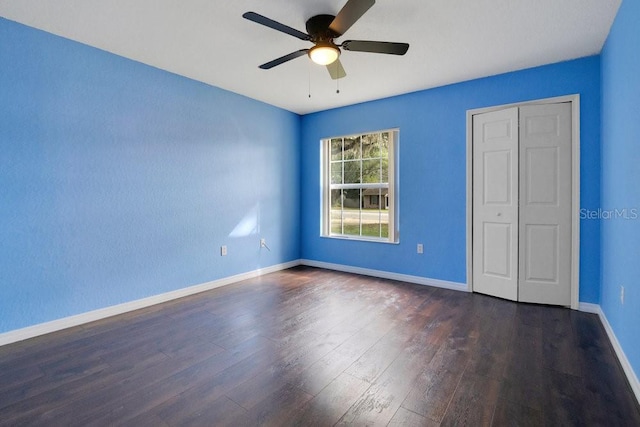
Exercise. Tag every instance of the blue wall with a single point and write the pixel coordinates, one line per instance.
(119, 181)
(620, 249)
(433, 169)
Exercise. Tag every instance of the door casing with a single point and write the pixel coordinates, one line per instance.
(575, 186)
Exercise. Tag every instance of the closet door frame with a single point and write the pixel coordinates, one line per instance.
(575, 186)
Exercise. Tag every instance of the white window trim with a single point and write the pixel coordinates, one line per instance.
(325, 194)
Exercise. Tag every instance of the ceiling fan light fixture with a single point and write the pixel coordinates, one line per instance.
(324, 54)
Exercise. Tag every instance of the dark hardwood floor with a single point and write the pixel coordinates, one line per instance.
(312, 347)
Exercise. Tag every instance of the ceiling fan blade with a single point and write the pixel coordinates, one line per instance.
(375, 47)
(336, 70)
(349, 14)
(283, 59)
(252, 16)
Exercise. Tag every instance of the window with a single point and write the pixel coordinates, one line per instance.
(359, 193)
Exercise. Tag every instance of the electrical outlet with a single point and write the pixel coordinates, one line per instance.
(621, 294)
(223, 250)
(420, 248)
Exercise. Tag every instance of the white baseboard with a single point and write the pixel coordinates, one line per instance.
(91, 316)
(626, 366)
(587, 307)
(387, 275)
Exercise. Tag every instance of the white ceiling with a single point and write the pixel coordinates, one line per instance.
(209, 41)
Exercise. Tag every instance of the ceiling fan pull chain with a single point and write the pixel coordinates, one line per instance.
(338, 79)
(309, 74)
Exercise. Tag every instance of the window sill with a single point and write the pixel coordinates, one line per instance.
(359, 239)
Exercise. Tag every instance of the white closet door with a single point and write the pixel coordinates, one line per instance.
(545, 204)
(495, 203)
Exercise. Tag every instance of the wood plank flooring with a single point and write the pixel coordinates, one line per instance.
(312, 347)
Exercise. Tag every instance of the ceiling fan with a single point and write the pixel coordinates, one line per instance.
(322, 30)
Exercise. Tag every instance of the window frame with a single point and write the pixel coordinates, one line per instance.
(392, 188)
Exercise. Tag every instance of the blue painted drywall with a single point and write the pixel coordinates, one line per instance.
(119, 181)
(620, 250)
(433, 169)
